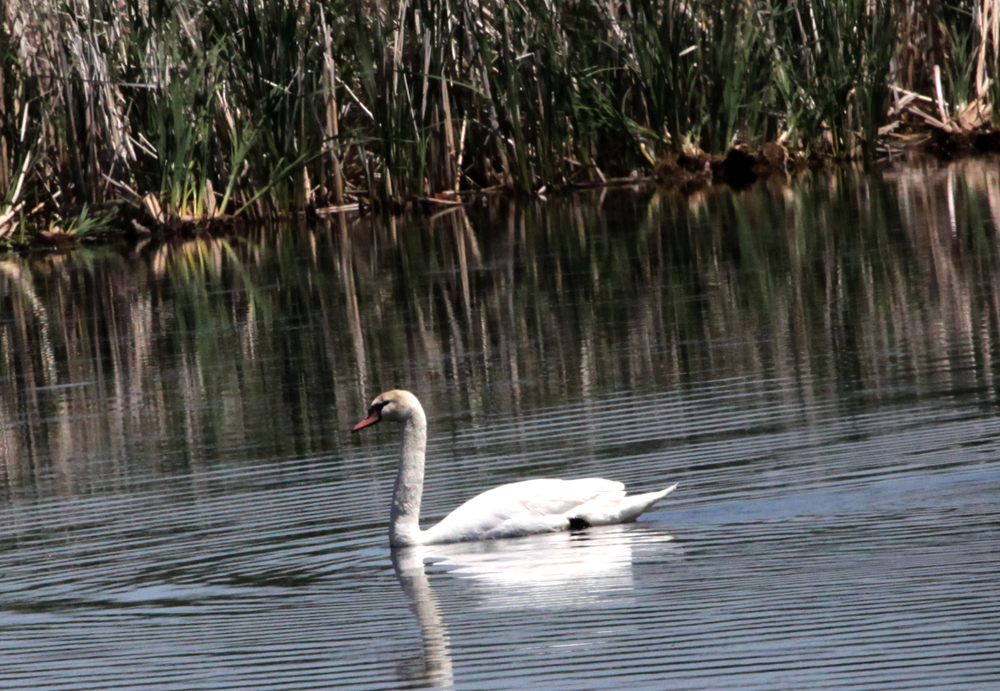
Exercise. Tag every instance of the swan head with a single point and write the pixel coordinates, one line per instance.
(395, 406)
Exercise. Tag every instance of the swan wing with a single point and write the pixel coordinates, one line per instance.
(523, 508)
(608, 510)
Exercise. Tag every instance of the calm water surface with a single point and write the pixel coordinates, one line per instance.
(183, 506)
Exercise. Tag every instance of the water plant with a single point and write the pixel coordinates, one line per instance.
(266, 107)
(86, 223)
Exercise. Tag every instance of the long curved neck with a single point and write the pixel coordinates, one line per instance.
(404, 520)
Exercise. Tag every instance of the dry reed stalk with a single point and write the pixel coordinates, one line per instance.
(461, 154)
(5, 151)
(14, 202)
(451, 172)
(332, 114)
(987, 27)
(942, 105)
(427, 73)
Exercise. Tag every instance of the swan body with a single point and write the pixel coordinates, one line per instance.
(512, 510)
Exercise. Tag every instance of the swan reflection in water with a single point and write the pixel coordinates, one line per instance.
(540, 572)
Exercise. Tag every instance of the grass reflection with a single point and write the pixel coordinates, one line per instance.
(266, 346)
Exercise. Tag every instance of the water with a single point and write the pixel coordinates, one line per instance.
(183, 506)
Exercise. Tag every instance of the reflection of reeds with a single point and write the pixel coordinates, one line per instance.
(861, 283)
(258, 106)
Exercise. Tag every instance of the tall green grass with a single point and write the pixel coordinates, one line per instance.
(265, 107)
(834, 70)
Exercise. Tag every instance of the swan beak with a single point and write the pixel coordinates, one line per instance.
(374, 417)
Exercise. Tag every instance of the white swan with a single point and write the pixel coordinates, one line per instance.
(520, 508)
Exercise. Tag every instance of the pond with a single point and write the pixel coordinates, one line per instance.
(815, 362)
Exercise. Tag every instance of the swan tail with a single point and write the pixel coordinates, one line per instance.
(632, 507)
(617, 508)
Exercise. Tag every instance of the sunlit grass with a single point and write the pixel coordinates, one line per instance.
(266, 107)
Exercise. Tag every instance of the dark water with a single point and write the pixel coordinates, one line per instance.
(183, 507)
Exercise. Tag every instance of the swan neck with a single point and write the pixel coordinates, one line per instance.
(404, 524)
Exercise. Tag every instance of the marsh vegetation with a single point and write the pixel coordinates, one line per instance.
(258, 108)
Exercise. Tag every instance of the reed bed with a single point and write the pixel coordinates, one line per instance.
(257, 108)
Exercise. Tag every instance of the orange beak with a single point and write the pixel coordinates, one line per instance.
(374, 417)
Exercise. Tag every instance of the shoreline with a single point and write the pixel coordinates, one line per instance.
(684, 173)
